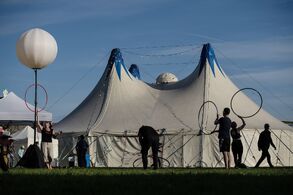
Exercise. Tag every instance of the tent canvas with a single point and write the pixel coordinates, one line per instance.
(120, 104)
(13, 108)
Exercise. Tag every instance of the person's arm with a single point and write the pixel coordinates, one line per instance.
(140, 136)
(217, 120)
(242, 126)
(55, 134)
(215, 131)
(39, 126)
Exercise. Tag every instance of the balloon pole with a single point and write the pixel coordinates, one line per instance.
(36, 103)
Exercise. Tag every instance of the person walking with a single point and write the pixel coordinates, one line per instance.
(264, 142)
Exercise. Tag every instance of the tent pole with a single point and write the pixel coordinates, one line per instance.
(36, 104)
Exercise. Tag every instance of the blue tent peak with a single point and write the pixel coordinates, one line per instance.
(208, 53)
(134, 70)
(116, 57)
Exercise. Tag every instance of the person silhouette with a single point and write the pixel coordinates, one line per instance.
(237, 147)
(81, 149)
(264, 142)
(224, 136)
(4, 151)
(148, 137)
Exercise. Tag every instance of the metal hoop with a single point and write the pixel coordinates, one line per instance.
(198, 118)
(231, 105)
(163, 160)
(25, 98)
(201, 164)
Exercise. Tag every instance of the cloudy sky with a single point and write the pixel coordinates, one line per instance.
(253, 41)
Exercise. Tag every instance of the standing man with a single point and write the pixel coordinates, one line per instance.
(148, 137)
(81, 149)
(224, 136)
(264, 142)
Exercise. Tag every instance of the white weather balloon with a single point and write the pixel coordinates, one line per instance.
(36, 48)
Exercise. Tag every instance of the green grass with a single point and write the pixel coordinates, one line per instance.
(138, 181)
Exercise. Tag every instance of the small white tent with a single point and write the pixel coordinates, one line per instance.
(25, 137)
(120, 104)
(13, 108)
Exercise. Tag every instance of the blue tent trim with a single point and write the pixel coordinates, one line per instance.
(208, 53)
(116, 58)
(134, 70)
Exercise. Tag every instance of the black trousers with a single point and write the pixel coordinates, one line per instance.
(81, 159)
(265, 154)
(237, 150)
(154, 144)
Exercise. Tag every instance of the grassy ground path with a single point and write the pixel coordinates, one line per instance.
(136, 181)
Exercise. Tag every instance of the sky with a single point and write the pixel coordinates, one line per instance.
(253, 41)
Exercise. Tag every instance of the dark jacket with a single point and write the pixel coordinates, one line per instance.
(265, 140)
(147, 135)
(81, 146)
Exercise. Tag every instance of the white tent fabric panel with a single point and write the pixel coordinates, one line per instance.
(13, 108)
(137, 104)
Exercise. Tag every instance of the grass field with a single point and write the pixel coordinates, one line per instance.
(137, 181)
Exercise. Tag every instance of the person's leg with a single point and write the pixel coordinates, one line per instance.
(45, 153)
(229, 159)
(155, 150)
(263, 156)
(144, 154)
(221, 144)
(50, 154)
(240, 152)
(225, 155)
(269, 159)
(80, 159)
(234, 152)
(83, 159)
(227, 145)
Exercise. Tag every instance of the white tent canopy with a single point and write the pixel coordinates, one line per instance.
(120, 104)
(13, 108)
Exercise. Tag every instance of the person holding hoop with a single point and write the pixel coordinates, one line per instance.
(237, 147)
(148, 137)
(264, 142)
(224, 136)
(48, 134)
